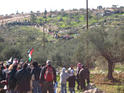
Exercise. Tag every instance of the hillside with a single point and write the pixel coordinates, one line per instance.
(68, 24)
(60, 39)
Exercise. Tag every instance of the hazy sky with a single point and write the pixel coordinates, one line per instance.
(11, 6)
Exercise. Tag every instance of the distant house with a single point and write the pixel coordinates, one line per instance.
(110, 11)
(107, 13)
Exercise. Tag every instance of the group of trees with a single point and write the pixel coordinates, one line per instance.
(104, 41)
(101, 41)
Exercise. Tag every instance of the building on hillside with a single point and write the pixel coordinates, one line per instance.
(108, 12)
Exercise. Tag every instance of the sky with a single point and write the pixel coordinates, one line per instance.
(12, 6)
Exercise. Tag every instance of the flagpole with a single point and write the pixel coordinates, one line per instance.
(87, 30)
(87, 12)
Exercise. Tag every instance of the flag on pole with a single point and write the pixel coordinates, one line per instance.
(30, 51)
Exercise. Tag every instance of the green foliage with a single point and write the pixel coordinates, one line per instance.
(33, 18)
(12, 52)
(84, 47)
(119, 67)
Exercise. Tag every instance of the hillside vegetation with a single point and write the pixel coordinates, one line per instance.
(18, 37)
(64, 40)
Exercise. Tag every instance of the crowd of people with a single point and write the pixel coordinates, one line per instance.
(23, 77)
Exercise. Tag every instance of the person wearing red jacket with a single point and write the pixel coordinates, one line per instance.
(48, 78)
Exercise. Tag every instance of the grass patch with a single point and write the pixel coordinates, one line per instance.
(119, 68)
(111, 88)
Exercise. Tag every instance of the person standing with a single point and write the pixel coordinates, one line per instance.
(84, 75)
(36, 74)
(48, 77)
(63, 80)
(79, 67)
(12, 79)
(71, 80)
(23, 78)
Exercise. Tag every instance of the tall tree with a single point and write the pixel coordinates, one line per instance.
(33, 18)
(109, 45)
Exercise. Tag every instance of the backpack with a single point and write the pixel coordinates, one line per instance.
(49, 76)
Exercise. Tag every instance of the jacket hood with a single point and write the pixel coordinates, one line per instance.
(63, 70)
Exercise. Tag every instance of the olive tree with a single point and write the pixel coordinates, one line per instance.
(108, 43)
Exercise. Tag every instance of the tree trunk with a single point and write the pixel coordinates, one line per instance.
(110, 70)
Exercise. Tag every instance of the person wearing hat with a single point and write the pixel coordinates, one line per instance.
(48, 78)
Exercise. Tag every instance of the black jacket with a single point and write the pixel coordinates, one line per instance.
(23, 78)
(71, 81)
(36, 72)
(12, 79)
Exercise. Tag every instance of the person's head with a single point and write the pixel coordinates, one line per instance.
(83, 66)
(63, 69)
(39, 65)
(48, 63)
(79, 65)
(15, 61)
(24, 66)
(42, 65)
(69, 68)
(35, 64)
(71, 72)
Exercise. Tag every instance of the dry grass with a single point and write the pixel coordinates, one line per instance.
(109, 86)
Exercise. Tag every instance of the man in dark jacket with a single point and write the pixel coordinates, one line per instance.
(71, 80)
(84, 75)
(23, 78)
(35, 74)
(48, 76)
(12, 79)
